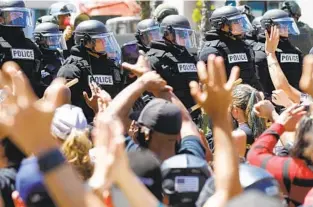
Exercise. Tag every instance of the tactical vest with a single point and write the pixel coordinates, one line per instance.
(25, 57)
(178, 69)
(238, 56)
(290, 60)
(109, 79)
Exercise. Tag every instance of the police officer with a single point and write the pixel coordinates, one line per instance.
(147, 30)
(289, 57)
(250, 37)
(306, 32)
(164, 10)
(15, 46)
(92, 60)
(51, 43)
(171, 59)
(62, 11)
(226, 40)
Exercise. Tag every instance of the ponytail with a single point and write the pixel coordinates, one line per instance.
(256, 124)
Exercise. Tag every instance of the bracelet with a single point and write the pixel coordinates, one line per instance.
(50, 160)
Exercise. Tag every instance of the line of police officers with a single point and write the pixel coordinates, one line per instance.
(91, 53)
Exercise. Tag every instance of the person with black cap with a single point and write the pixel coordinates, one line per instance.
(51, 43)
(172, 60)
(226, 40)
(62, 11)
(289, 57)
(92, 60)
(306, 32)
(14, 16)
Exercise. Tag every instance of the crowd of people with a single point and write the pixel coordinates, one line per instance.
(159, 121)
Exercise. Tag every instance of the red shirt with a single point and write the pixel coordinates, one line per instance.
(294, 175)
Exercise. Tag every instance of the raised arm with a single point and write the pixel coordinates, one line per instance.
(278, 77)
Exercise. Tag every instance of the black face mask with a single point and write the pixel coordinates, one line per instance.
(12, 32)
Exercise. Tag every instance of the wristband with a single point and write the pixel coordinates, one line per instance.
(50, 160)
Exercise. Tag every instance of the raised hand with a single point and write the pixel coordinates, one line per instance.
(142, 66)
(264, 109)
(153, 82)
(291, 116)
(280, 98)
(272, 40)
(215, 96)
(26, 120)
(306, 81)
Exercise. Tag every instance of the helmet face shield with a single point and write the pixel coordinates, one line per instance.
(54, 41)
(151, 34)
(184, 37)
(15, 17)
(106, 43)
(240, 24)
(287, 24)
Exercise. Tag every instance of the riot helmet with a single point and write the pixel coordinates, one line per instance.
(148, 30)
(13, 13)
(183, 177)
(177, 30)
(256, 23)
(47, 36)
(62, 11)
(245, 9)
(292, 8)
(93, 35)
(164, 10)
(47, 18)
(238, 23)
(281, 19)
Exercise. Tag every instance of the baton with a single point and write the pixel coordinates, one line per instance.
(72, 82)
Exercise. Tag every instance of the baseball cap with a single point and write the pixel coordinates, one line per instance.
(67, 118)
(161, 116)
(146, 167)
(30, 184)
(183, 178)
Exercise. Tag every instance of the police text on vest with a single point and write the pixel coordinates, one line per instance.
(187, 67)
(289, 58)
(237, 58)
(23, 54)
(101, 79)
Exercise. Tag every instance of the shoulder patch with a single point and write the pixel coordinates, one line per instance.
(23, 54)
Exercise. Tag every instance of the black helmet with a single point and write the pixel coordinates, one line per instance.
(281, 19)
(91, 31)
(148, 30)
(245, 9)
(180, 28)
(251, 178)
(292, 8)
(15, 14)
(183, 178)
(47, 18)
(256, 23)
(48, 36)
(164, 10)
(229, 15)
(61, 8)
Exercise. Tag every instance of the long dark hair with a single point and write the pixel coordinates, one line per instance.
(303, 146)
(245, 97)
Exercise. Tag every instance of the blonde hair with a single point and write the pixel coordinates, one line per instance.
(76, 150)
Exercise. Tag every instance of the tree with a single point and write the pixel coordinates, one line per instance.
(206, 11)
(145, 9)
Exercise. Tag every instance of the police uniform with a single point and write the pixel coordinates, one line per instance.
(26, 54)
(290, 60)
(235, 52)
(87, 68)
(52, 62)
(177, 66)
